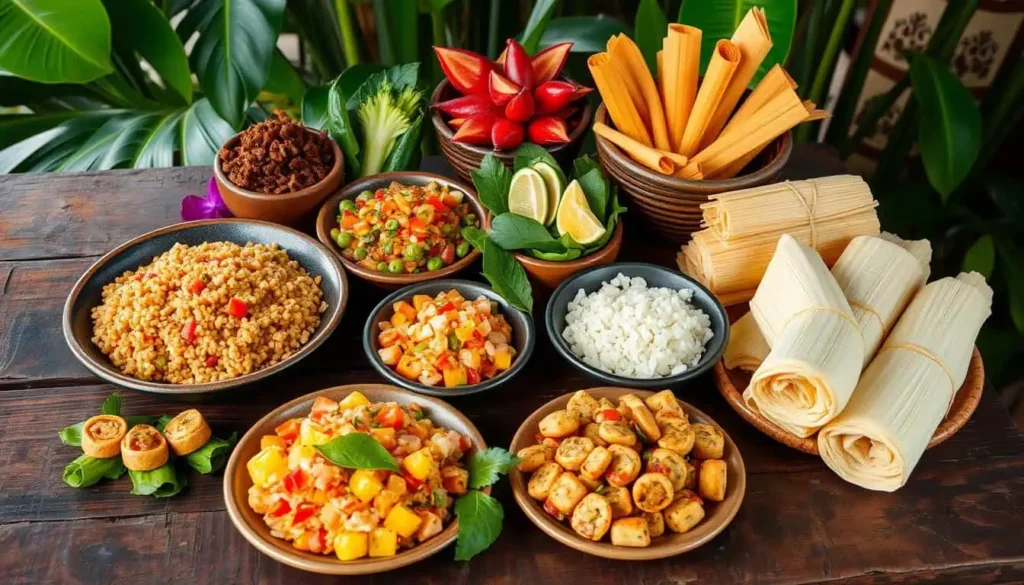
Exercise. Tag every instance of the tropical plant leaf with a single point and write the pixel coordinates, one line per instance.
(718, 20)
(314, 107)
(536, 26)
(233, 52)
(588, 34)
(55, 41)
(318, 22)
(15, 91)
(46, 150)
(202, 133)
(141, 26)
(981, 257)
(404, 16)
(283, 79)
(157, 148)
(110, 146)
(949, 133)
(651, 27)
(385, 32)
(17, 127)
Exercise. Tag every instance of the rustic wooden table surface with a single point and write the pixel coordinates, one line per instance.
(958, 520)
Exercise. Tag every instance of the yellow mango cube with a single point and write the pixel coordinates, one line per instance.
(311, 433)
(267, 467)
(385, 501)
(319, 497)
(396, 484)
(364, 484)
(353, 400)
(420, 301)
(502, 360)
(383, 542)
(272, 441)
(299, 454)
(403, 521)
(419, 464)
(350, 546)
(465, 331)
(454, 377)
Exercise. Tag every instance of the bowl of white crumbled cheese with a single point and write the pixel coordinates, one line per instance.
(638, 325)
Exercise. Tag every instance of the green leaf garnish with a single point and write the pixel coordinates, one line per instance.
(507, 277)
(480, 517)
(112, 405)
(596, 188)
(85, 471)
(163, 482)
(515, 232)
(358, 451)
(487, 466)
(213, 455)
(492, 181)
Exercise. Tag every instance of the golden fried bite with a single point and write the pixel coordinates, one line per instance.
(678, 438)
(592, 484)
(143, 448)
(624, 467)
(668, 462)
(532, 457)
(573, 452)
(543, 480)
(709, 443)
(665, 401)
(584, 404)
(592, 517)
(642, 417)
(592, 431)
(606, 410)
(566, 493)
(560, 423)
(596, 464)
(631, 532)
(187, 432)
(691, 477)
(652, 492)
(617, 433)
(712, 483)
(684, 513)
(655, 523)
(669, 419)
(102, 434)
(619, 499)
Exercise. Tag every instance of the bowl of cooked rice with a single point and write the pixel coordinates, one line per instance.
(637, 325)
(204, 306)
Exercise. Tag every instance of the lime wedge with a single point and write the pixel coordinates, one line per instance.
(528, 196)
(554, 182)
(576, 219)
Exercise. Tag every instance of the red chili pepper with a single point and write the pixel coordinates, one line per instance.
(501, 88)
(472, 376)
(467, 106)
(518, 66)
(237, 308)
(188, 332)
(553, 95)
(303, 513)
(448, 254)
(611, 414)
(436, 203)
(467, 71)
(547, 130)
(521, 108)
(197, 286)
(391, 416)
(211, 361)
(475, 130)
(288, 430)
(280, 508)
(548, 63)
(506, 134)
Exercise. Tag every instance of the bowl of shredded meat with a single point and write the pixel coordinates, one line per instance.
(278, 170)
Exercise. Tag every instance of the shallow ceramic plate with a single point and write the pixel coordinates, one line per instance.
(656, 276)
(251, 525)
(87, 292)
(718, 515)
(523, 334)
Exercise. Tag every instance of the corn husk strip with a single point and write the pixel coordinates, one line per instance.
(747, 347)
(645, 155)
(617, 99)
(719, 73)
(681, 67)
(624, 49)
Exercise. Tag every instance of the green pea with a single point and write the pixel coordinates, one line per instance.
(462, 249)
(382, 267)
(468, 219)
(396, 266)
(334, 233)
(360, 253)
(435, 263)
(365, 196)
(388, 247)
(447, 229)
(413, 252)
(343, 239)
(391, 224)
(347, 205)
(369, 237)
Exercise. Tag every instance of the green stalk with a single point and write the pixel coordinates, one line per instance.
(807, 33)
(1001, 110)
(437, 35)
(492, 29)
(384, 35)
(349, 38)
(825, 62)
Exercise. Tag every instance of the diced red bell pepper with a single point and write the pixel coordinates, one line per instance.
(611, 414)
(197, 286)
(321, 541)
(391, 416)
(411, 482)
(446, 307)
(237, 308)
(436, 203)
(349, 219)
(280, 508)
(464, 442)
(295, 481)
(417, 226)
(188, 332)
(211, 361)
(448, 255)
(472, 376)
(379, 195)
(304, 512)
(288, 430)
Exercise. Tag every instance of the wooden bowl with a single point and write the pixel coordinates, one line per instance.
(466, 158)
(328, 220)
(550, 274)
(672, 205)
(718, 514)
(251, 525)
(731, 384)
(286, 208)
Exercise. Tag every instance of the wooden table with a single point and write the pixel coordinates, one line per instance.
(957, 521)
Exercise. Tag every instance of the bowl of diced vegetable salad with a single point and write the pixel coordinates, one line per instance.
(395, 229)
(448, 338)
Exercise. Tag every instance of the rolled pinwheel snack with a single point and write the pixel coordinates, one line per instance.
(102, 434)
(144, 449)
(187, 432)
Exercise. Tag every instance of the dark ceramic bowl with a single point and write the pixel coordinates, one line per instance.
(656, 276)
(87, 292)
(328, 220)
(523, 334)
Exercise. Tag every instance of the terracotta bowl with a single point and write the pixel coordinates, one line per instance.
(251, 525)
(286, 208)
(328, 220)
(718, 515)
(672, 205)
(466, 158)
(550, 274)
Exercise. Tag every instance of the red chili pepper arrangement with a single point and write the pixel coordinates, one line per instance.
(513, 99)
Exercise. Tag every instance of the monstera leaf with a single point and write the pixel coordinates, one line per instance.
(55, 41)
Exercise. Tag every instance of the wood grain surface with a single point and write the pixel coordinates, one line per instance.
(956, 521)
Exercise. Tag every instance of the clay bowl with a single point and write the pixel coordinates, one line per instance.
(672, 205)
(718, 515)
(328, 220)
(466, 158)
(251, 525)
(87, 293)
(550, 274)
(286, 208)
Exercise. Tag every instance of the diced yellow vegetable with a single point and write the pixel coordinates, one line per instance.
(465, 331)
(302, 541)
(319, 497)
(383, 542)
(311, 433)
(409, 367)
(350, 546)
(399, 319)
(404, 308)
(385, 436)
(396, 484)
(403, 521)
(271, 441)
(471, 358)
(353, 400)
(419, 301)
(364, 484)
(502, 360)
(386, 500)
(267, 466)
(419, 464)
(390, 355)
(455, 296)
(454, 376)
(299, 454)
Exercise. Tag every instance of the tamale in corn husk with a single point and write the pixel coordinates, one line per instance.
(747, 347)
(908, 388)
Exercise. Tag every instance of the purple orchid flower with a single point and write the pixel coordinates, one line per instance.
(194, 207)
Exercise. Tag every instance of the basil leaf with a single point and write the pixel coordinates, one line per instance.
(405, 153)
(163, 482)
(85, 471)
(72, 435)
(515, 232)
(507, 277)
(584, 165)
(480, 517)
(487, 466)
(492, 181)
(475, 236)
(340, 125)
(213, 455)
(610, 225)
(112, 405)
(358, 451)
(570, 254)
(596, 188)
